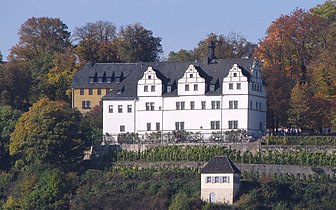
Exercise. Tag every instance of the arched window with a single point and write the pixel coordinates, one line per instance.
(212, 197)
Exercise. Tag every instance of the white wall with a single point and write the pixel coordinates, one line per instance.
(149, 79)
(224, 192)
(191, 77)
(197, 120)
(112, 121)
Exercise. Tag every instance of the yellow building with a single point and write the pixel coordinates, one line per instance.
(92, 82)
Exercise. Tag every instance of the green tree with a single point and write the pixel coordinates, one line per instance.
(137, 44)
(93, 120)
(8, 119)
(59, 78)
(299, 106)
(233, 45)
(39, 40)
(15, 85)
(326, 10)
(96, 42)
(50, 132)
(181, 55)
(39, 187)
(180, 202)
(1, 57)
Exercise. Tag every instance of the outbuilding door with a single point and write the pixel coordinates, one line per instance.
(212, 197)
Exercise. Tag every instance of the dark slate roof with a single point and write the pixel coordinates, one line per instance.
(171, 72)
(220, 164)
(115, 72)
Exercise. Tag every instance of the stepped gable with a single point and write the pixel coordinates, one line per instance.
(171, 72)
(220, 164)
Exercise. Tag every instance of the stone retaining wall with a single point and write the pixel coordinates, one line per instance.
(253, 147)
(261, 168)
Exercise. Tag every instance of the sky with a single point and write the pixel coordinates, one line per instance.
(180, 23)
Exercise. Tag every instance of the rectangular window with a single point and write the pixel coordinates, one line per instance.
(208, 179)
(150, 106)
(214, 125)
(230, 104)
(233, 124)
(148, 126)
(168, 89)
(153, 88)
(234, 74)
(216, 179)
(195, 87)
(213, 104)
(182, 105)
(203, 103)
(217, 104)
(81, 91)
(178, 105)
(238, 86)
(192, 104)
(179, 125)
(145, 88)
(230, 86)
(212, 87)
(129, 108)
(225, 179)
(119, 108)
(99, 91)
(157, 126)
(91, 79)
(110, 108)
(100, 79)
(235, 104)
(122, 128)
(90, 91)
(260, 106)
(251, 105)
(86, 104)
(257, 106)
(191, 75)
(186, 87)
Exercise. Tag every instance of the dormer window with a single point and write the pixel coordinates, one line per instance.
(100, 79)
(149, 76)
(119, 92)
(91, 79)
(212, 87)
(168, 89)
(108, 79)
(117, 80)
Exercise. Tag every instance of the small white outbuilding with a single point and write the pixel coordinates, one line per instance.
(220, 180)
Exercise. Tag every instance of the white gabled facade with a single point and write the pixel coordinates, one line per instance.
(240, 104)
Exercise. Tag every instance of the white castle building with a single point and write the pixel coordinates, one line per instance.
(209, 97)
